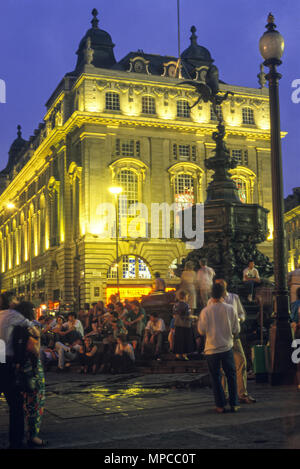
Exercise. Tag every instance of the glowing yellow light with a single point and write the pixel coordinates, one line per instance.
(128, 292)
(10, 206)
(98, 228)
(131, 292)
(115, 190)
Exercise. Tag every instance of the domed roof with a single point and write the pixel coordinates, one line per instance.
(18, 144)
(14, 152)
(101, 44)
(196, 54)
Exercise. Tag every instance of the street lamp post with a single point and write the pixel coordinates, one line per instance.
(116, 191)
(271, 46)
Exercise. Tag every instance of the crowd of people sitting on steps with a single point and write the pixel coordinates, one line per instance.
(108, 338)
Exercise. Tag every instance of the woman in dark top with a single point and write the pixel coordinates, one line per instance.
(183, 337)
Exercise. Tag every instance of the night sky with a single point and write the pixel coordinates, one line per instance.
(39, 39)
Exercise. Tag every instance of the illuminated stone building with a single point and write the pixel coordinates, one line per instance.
(292, 227)
(120, 123)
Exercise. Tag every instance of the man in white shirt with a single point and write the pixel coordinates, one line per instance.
(219, 323)
(238, 351)
(205, 277)
(154, 335)
(251, 278)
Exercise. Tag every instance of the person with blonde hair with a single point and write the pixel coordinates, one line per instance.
(205, 276)
(188, 284)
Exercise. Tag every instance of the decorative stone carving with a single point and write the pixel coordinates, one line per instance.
(88, 52)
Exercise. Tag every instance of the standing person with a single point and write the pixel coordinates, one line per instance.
(34, 395)
(159, 285)
(251, 279)
(188, 284)
(205, 276)
(294, 282)
(295, 314)
(238, 351)
(13, 395)
(219, 323)
(83, 316)
(183, 336)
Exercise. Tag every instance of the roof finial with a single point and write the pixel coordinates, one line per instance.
(271, 25)
(193, 37)
(19, 133)
(95, 20)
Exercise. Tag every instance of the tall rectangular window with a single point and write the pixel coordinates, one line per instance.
(183, 109)
(148, 105)
(213, 116)
(248, 115)
(112, 101)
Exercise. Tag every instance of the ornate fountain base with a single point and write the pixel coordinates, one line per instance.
(231, 232)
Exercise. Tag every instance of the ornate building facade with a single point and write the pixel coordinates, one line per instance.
(123, 123)
(292, 226)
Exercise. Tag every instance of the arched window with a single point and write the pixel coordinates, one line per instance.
(130, 267)
(244, 179)
(148, 105)
(248, 115)
(112, 101)
(128, 180)
(183, 109)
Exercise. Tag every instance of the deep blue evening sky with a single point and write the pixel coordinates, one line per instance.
(39, 39)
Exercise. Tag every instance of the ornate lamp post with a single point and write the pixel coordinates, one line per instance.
(271, 46)
(116, 191)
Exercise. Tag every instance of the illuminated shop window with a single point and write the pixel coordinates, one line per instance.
(148, 105)
(112, 101)
(183, 109)
(130, 268)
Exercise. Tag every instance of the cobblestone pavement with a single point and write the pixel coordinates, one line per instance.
(160, 411)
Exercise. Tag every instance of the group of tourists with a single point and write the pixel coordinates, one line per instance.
(104, 338)
(221, 314)
(21, 375)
